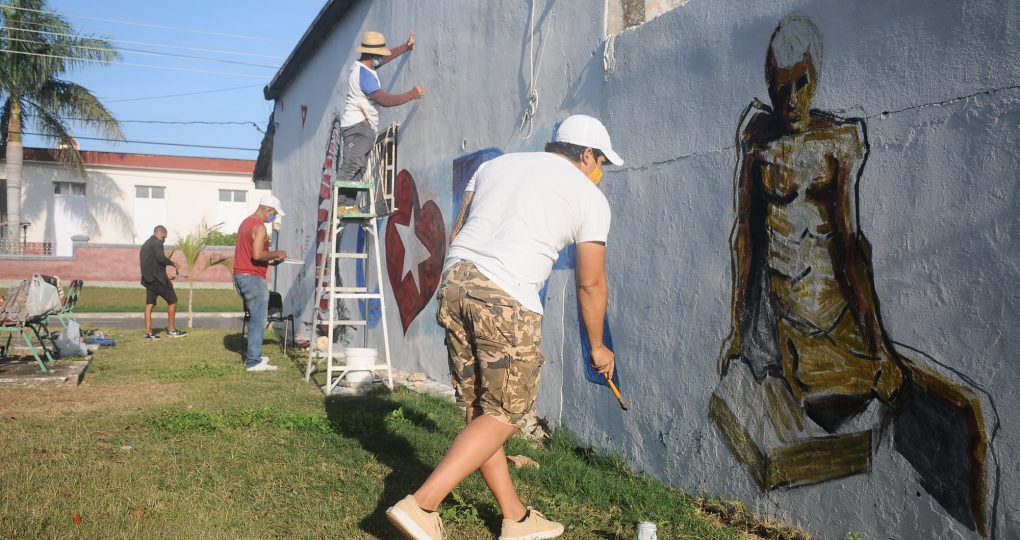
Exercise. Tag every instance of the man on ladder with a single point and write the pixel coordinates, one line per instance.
(360, 119)
(358, 132)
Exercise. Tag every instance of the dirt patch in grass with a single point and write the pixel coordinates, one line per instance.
(43, 401)
(735, 514)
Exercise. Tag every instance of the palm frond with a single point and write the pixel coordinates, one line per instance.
(194, 243)
(51, 126)
(65, 98)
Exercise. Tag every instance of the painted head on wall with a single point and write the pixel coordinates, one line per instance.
(791, 69)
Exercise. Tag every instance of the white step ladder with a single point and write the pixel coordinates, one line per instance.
(378, 185)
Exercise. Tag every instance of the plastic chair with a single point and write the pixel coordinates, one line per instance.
(274, 314)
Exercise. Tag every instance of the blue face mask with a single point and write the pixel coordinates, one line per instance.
(271, 218)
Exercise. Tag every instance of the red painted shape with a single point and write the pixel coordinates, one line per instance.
(431, 230)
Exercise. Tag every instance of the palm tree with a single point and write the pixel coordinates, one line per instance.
(37, 47)
(191, 246)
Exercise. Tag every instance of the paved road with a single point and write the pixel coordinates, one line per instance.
(136, 321)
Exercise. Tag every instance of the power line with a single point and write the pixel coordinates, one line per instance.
(202, 92)
(148, 43)
(151, 53)
(132, 64)
(146, 25)
(157, 143)
(176, 122)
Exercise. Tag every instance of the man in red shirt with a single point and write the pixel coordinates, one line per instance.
(252, 258)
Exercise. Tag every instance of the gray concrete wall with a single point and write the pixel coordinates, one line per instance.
(935, 84)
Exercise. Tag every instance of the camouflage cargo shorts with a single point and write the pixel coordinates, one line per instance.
(494, 345)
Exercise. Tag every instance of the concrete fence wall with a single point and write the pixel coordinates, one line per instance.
(115, 265)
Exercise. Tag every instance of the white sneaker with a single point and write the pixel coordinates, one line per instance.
(264, 365)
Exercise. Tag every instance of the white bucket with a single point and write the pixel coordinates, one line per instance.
(360, 361)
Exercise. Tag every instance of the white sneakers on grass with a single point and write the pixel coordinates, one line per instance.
(264, 365)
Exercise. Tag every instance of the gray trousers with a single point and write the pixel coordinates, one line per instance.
(357, 143)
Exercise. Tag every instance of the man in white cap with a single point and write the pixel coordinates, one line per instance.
(361, 119)
(518, 211)
(252, 258)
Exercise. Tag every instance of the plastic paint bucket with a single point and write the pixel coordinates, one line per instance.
(360, 361)
(646, 531)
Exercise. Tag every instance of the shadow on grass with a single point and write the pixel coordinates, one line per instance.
(235, 343)
(364, 418)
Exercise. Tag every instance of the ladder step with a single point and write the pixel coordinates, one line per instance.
(353, 185)
(377, 367)
(349, 289)
(359, 296)
(350, 255)
(356, 215)
(343, 322)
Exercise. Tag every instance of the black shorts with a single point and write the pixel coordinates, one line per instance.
(155, 289)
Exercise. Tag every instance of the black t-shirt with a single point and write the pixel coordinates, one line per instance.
(153, 261)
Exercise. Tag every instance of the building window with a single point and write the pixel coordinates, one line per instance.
(230, 195)
(150, 192)
(69, 188)
(232, 209)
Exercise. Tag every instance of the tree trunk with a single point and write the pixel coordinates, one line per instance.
(15, 157)
(191, 293)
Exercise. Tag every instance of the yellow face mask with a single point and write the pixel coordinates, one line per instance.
(595, 175)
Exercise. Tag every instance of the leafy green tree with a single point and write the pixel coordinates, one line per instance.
(191, 247)
(37, 47)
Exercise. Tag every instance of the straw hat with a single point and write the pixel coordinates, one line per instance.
(373, 43)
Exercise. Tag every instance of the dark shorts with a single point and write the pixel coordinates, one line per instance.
(494, 345)
(155, 289)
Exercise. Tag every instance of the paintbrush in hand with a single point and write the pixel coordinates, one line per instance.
(623, 405)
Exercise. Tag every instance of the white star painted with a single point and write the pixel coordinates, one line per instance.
(415, 252)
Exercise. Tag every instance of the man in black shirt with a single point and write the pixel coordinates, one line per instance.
(156, 283)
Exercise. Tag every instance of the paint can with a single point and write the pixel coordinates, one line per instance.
(646, 531)
(360, 361)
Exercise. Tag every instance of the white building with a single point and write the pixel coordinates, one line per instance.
(123, 196)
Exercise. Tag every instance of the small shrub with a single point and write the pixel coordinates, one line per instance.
(220, 239)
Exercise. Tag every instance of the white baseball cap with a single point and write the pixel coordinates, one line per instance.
(272, 202)
(587, 132)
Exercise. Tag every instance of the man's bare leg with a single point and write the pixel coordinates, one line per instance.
(148, 318)
(476, 445)
(171, 311)
(496, 474)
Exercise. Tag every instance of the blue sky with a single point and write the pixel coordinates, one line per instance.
(132, 92)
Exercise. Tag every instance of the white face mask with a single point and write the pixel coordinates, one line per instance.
(376, 62)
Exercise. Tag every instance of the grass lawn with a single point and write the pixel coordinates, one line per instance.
(172, 439)
(118, 300)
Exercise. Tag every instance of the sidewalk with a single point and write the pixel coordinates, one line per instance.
(136, 320)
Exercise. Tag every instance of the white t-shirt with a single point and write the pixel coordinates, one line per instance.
(526, 208)
(362, 82)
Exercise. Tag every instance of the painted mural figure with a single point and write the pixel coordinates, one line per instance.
(809, 378)
(804, 305)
